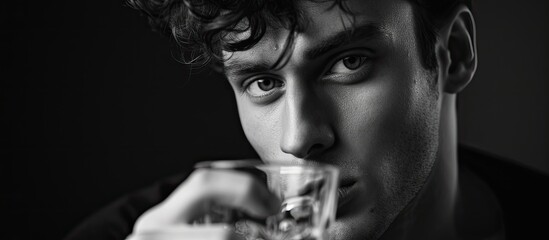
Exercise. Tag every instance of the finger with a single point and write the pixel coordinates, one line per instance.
(223, 187)
(232, 189)
(210, 232)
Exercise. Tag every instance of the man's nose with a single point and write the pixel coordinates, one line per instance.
(306, 129)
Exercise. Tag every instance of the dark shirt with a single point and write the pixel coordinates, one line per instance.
(521, 192)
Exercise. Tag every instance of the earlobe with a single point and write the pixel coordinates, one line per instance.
(457, 55)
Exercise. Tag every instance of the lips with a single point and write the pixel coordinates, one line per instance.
(344, 192)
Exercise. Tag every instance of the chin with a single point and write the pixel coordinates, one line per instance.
(361, 221)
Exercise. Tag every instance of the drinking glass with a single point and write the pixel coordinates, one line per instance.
(309, 200)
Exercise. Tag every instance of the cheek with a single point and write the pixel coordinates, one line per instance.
(260, 127)
(371, 114)
(380, 119)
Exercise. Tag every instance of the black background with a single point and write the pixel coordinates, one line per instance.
(94, 105)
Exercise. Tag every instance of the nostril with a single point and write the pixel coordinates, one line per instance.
(315, 148)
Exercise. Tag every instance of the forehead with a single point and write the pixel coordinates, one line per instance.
(323, 19)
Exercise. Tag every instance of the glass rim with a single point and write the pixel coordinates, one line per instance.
(232, 164)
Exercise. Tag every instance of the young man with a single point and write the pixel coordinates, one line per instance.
(369, 86)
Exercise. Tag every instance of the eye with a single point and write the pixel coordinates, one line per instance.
(348, 64)
(264, 87)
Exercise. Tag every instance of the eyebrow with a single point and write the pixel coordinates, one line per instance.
(245, 68)
(364, 32)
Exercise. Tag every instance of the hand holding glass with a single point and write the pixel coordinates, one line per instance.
(308, 194)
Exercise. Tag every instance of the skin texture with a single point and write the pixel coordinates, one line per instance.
(378, 123)
(365, 104)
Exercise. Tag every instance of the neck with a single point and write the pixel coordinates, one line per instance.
(431, 214)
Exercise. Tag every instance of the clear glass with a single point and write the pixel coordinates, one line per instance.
(309, 200)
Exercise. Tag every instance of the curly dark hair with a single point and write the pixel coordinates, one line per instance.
(201, 27)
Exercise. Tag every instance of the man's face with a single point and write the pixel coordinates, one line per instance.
(362, 102)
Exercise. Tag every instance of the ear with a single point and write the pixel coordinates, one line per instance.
(456, 50)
